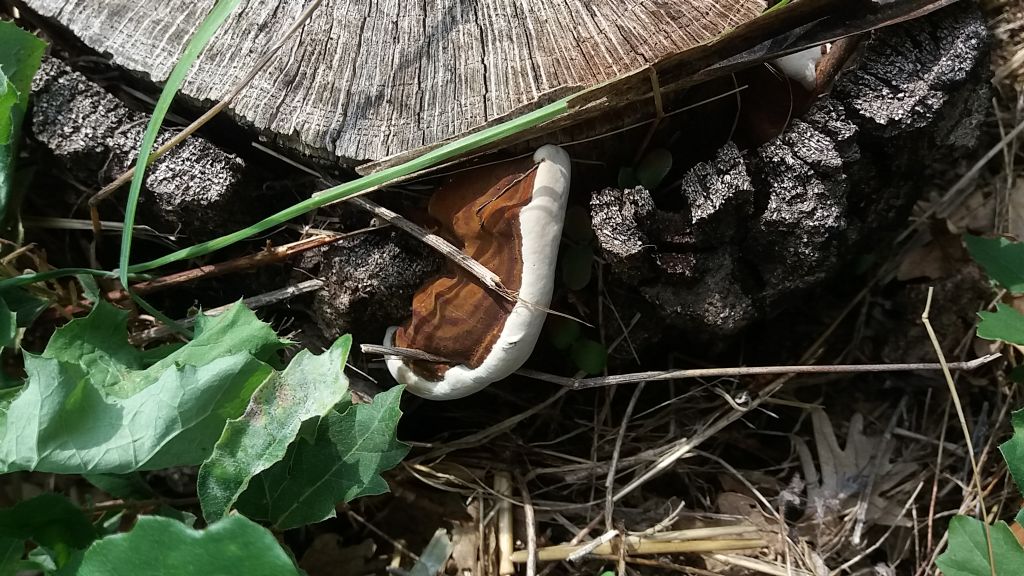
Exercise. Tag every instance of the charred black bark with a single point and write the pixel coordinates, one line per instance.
(763, 227)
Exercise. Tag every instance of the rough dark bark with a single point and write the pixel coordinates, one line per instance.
(197, 190)
(761, 228)
(369, 282)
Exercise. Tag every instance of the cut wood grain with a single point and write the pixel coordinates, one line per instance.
(366, 80)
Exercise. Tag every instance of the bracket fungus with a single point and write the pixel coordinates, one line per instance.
(507, 216)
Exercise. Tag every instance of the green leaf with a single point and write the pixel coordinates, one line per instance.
(589, 356)
(345, 462)
(20, 55)
(1002, 260)
(87, 409)
(577, 266)
(48, 520)
(90, 288)
(156, 545)
(1013, 449)
(627, 178)
(967, 554)
(25, 305)
(577, 226)
(8, 325)
(252, 443)
(11, 550)
(1006, 324)
(124, 486)
(99, 344)
(562, 332)
(653, 168)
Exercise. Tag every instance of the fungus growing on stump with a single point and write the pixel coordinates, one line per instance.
(507, 216)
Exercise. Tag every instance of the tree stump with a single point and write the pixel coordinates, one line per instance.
(751, 225)
(367, 80)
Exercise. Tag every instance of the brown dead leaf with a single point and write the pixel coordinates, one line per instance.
(939, 258)
(1018, 532)
(1015, 210)
(976, 214)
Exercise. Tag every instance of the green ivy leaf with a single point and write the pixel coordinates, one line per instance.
(252, 443)
(1006, 324)
(87, 409)
(967, 554)
(1013, 449)
(20, 55)
(344, 462)
(1002, 260)
(49, 520)
(157, 545)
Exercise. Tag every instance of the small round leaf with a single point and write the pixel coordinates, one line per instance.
(589, 356)
(577, 264)
(577, 224)
(653, 168)
(562, 332)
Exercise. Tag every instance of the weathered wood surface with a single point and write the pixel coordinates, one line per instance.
(366, 79)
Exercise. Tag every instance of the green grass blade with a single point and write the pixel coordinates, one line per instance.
(34, 277)
(432, 158)
(200, 39)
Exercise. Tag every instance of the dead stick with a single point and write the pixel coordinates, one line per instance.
(490, 279)
(253, 302)
(584, 383)
(269, 255)
(558, 553)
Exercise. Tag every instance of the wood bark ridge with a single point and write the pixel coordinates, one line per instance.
(368, 79)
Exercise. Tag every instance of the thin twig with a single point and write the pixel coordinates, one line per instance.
(870, 549)
(503, 487)
(642, 546)
(955, 395)
(639, 377)
(460, 258)
(757, 565)
(582, 384)
(942, 206)
(864, 499)
(396, 544)
(265, 257)
(531, 527)
(253, 302)
(609, 482)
